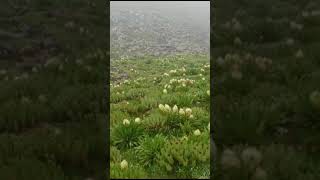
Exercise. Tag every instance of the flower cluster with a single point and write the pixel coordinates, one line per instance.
(183, 112)
(127, 122)
(184, 82)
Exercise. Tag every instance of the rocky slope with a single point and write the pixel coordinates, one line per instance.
(135, 33)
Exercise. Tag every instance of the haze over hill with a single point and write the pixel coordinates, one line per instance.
(159, 28)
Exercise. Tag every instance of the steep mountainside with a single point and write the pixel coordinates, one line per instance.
(136, 32)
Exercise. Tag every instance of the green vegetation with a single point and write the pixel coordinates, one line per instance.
(160, 117)
(266, 95)
(53, 72)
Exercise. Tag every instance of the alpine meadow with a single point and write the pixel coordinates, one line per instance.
(160, 92)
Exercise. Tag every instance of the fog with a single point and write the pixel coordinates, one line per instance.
(159, 27)
(192, 12)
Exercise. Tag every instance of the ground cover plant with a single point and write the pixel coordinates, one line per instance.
(159, 118)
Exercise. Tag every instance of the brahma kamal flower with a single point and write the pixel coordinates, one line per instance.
(251, 157)
(260, 174)
(182, 112)
(165, 91)
(314, 98)
(175, 109)
(188, 111)
(126, 122)
(167, 108)
(124, 164)
(137, 120)
(184, 137)
(299, 54)
(161, 107)
(229, 160)
(197, 132)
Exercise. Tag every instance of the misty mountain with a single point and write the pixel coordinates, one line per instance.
(149, 30)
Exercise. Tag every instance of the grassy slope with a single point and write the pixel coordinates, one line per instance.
(52, 122)
(269, 104)
(139, 96)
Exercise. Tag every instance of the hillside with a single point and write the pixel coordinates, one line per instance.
(53, 65)
(160, 118)
(138, 32)
(266, 95)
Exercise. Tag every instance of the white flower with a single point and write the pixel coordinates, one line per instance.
(184, 84)
(197, 132)
(188, 111)
(299, 54)
(251, 157)
(166, 74)
(203, 79)
(169, 86)
(184, 137)
(126, 122)
(260, 174)
(165, 91)
(200, 75)
(137, 120)
(208, 92)
(161, 107)
(167, 108)
(229, 160)
(202, 70)
(209, 126)
(175, 108)
(181, 112)
(191, 116)
(124, 164)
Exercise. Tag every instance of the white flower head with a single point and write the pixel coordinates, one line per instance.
(161, 107)
(229, 160)
(165, 91)
(208, 92)
(126, 122)
(124, 164)
(251, 157)
(175, 108)
(197, 132)
(167, 108)
(260, 174)
(137, 120)
(188, 111)
(181, 112)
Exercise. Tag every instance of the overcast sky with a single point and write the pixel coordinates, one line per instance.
(196, 13)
